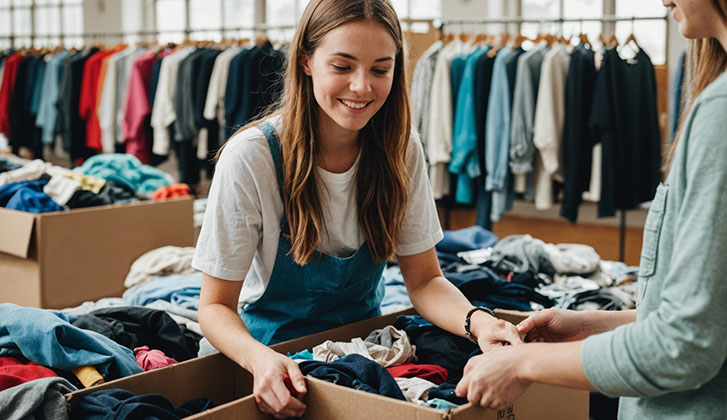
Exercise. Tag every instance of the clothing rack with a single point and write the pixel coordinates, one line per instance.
(520, 20)
(143, 33)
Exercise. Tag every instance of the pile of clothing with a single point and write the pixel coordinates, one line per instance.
(40, 187)
(45, 354)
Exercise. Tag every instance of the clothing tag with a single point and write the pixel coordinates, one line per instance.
(632, 61)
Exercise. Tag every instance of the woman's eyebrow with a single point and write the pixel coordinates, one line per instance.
(350, 57)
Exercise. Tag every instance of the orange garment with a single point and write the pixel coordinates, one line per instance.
(176, 190)
(89, 96)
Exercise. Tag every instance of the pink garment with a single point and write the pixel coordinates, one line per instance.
(136, 126)
(152, 359)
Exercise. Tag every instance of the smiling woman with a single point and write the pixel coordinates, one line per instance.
(309, 202)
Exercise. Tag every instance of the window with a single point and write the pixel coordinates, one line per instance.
(572, 9)
(650, 34)
(38, 23)
(208, 19)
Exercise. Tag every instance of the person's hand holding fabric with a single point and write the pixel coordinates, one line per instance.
(491, 380)
(278, 385)
(492, 332)
(554, 325)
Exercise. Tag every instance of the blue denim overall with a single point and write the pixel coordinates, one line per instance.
(325, 293)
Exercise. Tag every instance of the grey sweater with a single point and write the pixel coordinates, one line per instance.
(671, 361)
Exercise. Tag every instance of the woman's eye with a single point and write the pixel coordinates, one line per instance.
(381, 71)
(341, 68)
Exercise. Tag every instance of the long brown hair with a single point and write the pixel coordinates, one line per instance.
(706, 61)
(382, 178)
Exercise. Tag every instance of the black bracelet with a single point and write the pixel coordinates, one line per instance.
(467, 321)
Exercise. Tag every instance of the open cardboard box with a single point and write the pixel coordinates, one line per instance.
(61, 259)
(230, 388)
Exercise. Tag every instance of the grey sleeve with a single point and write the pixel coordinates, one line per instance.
(522, 149)
(682, 343)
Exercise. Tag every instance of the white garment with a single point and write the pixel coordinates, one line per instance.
(61, 189)
(387, 346)
(107, 104)
(548, 127)
(573, 258)
(28, 172)
(121, 111)
(214, 106)
(415, 389)
(594, 189)
(439, 146)
(241, 228)
(163, 114)
(160, 262)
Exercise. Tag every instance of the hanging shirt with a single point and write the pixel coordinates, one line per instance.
(163, 114)
(6, 90)
(136, 129)
(214, 107)
(497, 137)
(548, 125)
(420, 91)
(577, 140)
(624, 119)
(89, 96)
(464, 145)
(47, 111)
(440, 127)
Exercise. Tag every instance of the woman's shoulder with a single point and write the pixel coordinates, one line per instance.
(248, 147)
(716, 89)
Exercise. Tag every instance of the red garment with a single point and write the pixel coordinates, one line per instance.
(136, 126)
(432, 373)
(152, 359)
(89, 98)
(6, 90)
(14, 372)
(176, 190)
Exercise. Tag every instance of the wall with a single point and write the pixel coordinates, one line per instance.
(102, 16)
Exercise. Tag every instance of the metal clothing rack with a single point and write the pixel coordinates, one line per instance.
(520, 20)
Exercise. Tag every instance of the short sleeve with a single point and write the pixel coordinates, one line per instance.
(420, 229)
(232, 226)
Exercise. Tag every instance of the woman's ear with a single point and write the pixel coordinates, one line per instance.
(305, 63)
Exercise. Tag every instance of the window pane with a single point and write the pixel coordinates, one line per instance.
(5, 22)
(170, 15)
(206, 36)
(650, 34)
(426, 9)
(540, 9)
(21, 21)
(402, 8)
(17, 3)
(639, 8)
(582, 8)
(280, 12)
(239, 13)
(73, 41)
(51, 41)
(23, 42)
(176, 37)
(47, 2)
(4, 3)
(47, 20)
(301, 6)
(72, 20)
(205, 14)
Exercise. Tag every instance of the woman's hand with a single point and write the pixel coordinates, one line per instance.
(555, 325)
(493, 332)
(491, 380)
(278, 385)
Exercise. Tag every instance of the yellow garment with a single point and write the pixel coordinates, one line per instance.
(88, 182)
(88, 375)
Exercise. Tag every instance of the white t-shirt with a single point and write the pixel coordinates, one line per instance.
(241, 228)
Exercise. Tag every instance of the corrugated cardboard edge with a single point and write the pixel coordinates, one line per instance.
(17, 232)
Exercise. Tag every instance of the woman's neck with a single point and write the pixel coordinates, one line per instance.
(338, 148)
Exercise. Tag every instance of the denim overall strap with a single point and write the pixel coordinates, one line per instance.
(325, 293)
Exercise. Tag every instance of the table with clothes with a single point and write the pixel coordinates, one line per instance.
(40, 187)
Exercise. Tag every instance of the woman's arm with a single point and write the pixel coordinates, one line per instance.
(224, 328)
(440, 302)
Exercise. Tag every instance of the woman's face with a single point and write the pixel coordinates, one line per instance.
(696, 18)
(352, 72)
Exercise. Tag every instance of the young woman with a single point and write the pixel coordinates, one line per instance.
(667, 359)
(308, 204)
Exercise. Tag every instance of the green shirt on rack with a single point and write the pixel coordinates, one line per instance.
(670, 364)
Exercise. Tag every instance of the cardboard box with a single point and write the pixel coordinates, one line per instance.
(223, 381)
(61, 259)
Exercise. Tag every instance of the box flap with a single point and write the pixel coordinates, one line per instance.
(17, 231)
